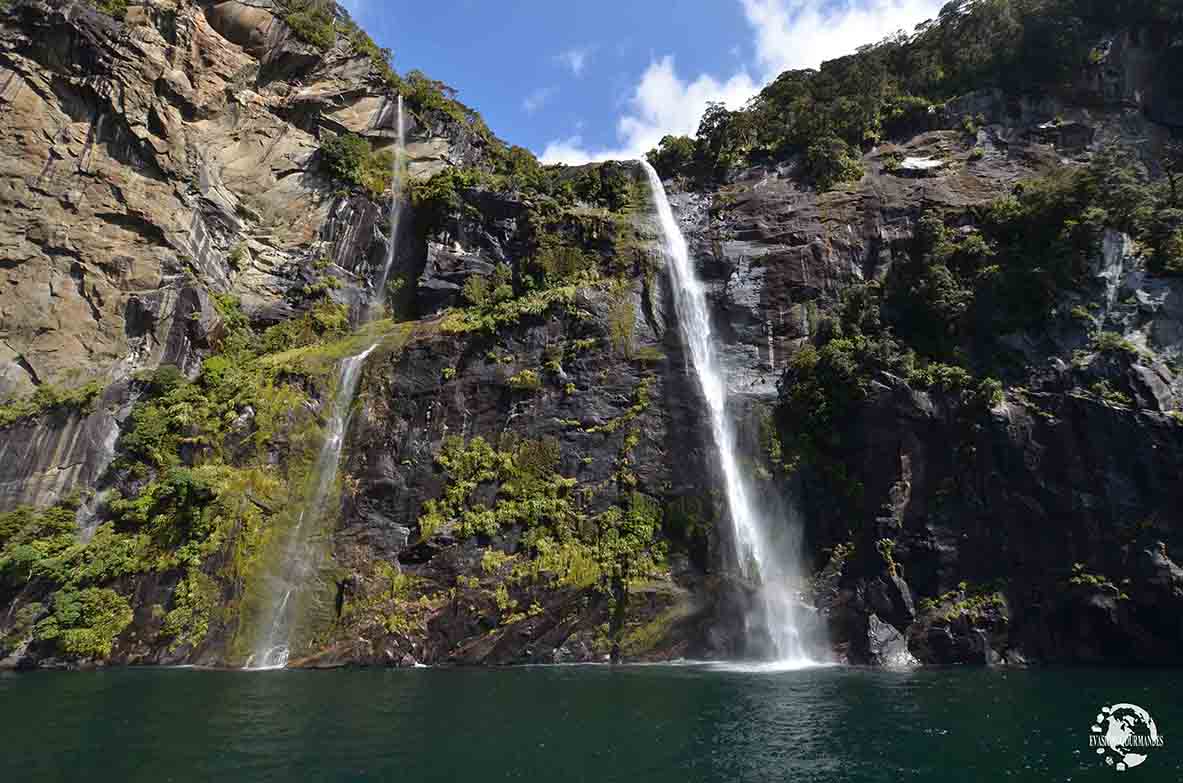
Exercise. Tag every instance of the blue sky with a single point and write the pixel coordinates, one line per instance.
(577, 81)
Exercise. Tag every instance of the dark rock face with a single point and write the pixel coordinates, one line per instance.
(445, 385)
(885, 645)
(468, 247)
(1022, 495)
(1136, 67)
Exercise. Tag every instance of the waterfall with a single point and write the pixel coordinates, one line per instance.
(400, 151)
(300, 556)
(765, 557)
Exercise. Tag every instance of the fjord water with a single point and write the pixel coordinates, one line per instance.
(300, 558)
(766, 549)
(644, 724)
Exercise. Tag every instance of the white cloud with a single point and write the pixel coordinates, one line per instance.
(803, 33)
(575, 58)
(786, 34)
(665, 103)
(570, 151)
(661, 103)
(538, 98)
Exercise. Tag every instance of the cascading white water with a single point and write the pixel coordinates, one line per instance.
(300, 556)
(765, 557)
(396, 208)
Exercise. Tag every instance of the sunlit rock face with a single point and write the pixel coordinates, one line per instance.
(149, 163)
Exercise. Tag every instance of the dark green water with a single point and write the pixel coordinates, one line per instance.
(569, 724)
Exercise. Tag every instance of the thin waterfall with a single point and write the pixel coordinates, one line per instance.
(300, 559)
(301, 556)
(767, 557)
(396, 208)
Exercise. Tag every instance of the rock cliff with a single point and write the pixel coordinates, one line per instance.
(195, 207)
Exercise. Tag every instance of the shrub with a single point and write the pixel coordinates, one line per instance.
(311, 21)
(350, 158)
(526, 380)
(830, 160)
(507, 310)
(113, 8)
(610, 184)
(561, 261)
(238, 255)
(560, 543)
(1111, 396)
(476, 290)
(674, 156)
(170, 508)
(324, 321)
(344, 155)
(621, 317)
(1114, 343)
(1165, 238)
(438, 197)
(942, 376)
(85, 623)
(194, 602)
(47, 399)
(30, 538)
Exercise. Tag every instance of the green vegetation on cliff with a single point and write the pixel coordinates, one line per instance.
(551, 189)
(114, 8)
(206, 468)
(936, 320)
(891, 88)
(324, 24)
(48, 399)
(349, 158)
(577, 230)
(84, 623)
(565, 542)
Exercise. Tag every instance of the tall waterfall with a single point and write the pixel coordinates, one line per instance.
(765, 557)
(301, 556)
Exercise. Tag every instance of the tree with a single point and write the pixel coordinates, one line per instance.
(831, 160)
(713, 137)
(673, 155)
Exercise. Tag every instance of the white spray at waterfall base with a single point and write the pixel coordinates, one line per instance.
(767, 552)
(300, 556)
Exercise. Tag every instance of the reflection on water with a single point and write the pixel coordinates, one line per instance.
(640, 724)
